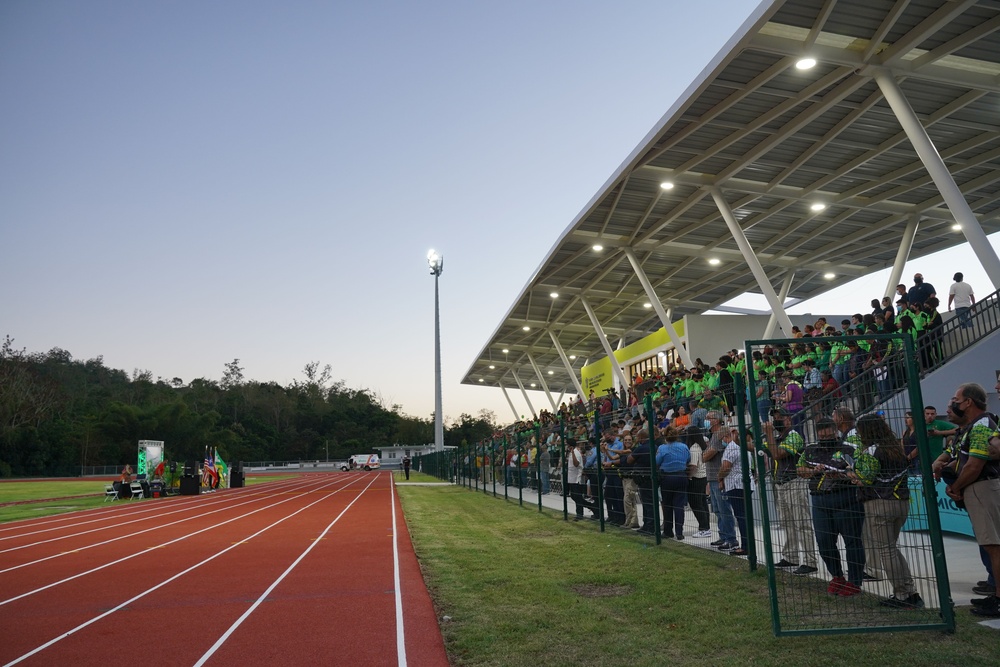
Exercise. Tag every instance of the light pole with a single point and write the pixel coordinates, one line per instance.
(436, 263)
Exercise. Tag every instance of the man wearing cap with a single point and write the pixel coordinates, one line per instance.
(978, 479)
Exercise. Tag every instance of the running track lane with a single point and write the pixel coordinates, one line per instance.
(319, 588)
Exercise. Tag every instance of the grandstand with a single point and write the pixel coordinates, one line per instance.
(777, 176)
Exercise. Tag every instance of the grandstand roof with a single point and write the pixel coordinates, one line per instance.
(775, 140)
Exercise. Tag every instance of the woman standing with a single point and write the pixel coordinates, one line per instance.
(698, 484)
(673, 461)
(881, 470)
(909, 442)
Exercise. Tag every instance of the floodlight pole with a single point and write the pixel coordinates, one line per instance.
(436, 263)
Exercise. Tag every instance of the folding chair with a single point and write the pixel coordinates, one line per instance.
(110, 493)
(136, 489)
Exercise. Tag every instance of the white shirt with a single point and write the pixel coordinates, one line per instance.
(574, 467)
(963, 294)
(734, 480)
(696, 460)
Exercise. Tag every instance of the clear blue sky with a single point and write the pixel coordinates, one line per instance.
(186, 183)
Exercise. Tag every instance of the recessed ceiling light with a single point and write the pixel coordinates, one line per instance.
(532, 385)
(715, 261)
(805, 63)
(829, 276)
(482, 380)
(667, 185)
(647, 305)
(554, 295)
(817, 206)
(492, 367)
(572, 356)
(598, 247)
(526, 328)
(505, 350)
(956, 227)
(552, 372)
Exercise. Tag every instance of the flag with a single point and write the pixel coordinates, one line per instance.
(222, 469)
(208, 469)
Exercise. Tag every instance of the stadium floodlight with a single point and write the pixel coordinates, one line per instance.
(436, 263)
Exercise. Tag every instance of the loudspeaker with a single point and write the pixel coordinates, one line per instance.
(190, 469)
(236, 479)
(190, 486)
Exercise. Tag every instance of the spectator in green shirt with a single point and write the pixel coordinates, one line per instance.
(937, 430)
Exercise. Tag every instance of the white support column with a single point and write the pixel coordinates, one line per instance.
(510, 402)
(604, 341)
(658, 307)
(569, 367)
(751, 259)
(562, 397)
(939, 173)
(524, 393)
(786, 287)
(905, 244)
(541, 381)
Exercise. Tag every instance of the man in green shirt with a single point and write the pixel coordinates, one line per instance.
(937, 430)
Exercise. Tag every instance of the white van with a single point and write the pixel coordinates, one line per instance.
(361, 462)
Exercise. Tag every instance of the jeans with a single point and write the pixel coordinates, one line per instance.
(963, 317)
(673, 488)
(723, 514)
(839, 513)
(738, 503)
(544, 474)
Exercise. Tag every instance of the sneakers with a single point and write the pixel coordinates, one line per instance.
(804, 569)
(848, 589)
(980, 589)
(980, 602)
(726, 546)
(785, 563)
(913, 601)
(703, 533)
(717, 543)
(990, 607)
(836, 585)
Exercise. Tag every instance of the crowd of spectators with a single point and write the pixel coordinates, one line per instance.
(833, 478)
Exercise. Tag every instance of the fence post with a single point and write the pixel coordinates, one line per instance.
(654, 478)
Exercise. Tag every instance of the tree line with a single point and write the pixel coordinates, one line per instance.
(58, 414)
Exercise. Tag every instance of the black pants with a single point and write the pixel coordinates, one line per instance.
(698, 501)
(576, 492)
(646, 496)
(407, 471)
(614, 497)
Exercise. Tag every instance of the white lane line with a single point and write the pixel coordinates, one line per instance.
(400, 638)
(215, 647)
(158, 546)
(209, 503)
(170, 580)
(140, 532)
(176, 506)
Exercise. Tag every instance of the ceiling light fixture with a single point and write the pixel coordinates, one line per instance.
(818, 206)
(554, 295)
(598, 247)
(805, 63)
(715, 261)
(667, 185)
(829, 276)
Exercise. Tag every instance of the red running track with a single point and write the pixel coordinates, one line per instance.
(316, 570)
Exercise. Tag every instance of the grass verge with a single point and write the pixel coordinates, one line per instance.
(524, 588)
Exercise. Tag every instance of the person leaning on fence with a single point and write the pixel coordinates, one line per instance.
(639, 462)
(836, 510)
(613, 492)
(713, 461)
(697, 491)
(575, 478)
(883, 475)
(974, 478)
(630, 489)
(673, 462)
(785, 446)
(731, 478)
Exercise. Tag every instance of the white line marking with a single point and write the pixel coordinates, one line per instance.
(158, 546)
(400, 638)
(178, 576)
(215, 647)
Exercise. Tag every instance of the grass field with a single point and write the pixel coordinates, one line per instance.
(56, 489)
(524, 588)
(415, 477)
